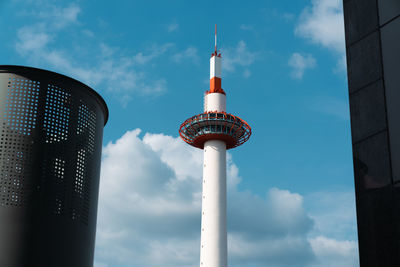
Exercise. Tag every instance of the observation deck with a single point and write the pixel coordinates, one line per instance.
(215, 126)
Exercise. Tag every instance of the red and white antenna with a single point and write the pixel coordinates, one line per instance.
(215, 69)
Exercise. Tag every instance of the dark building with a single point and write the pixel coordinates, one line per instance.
(373, 60)
(51, 130)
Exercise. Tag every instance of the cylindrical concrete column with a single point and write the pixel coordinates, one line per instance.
(215, 102)
(213, 221)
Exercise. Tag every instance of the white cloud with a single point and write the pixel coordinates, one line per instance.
(190, 54)
(322, 23)
(300, 63)
(32, 39)
(172, 27)
(341, 65)
(275, 252)
(327, 209)
(333, 238)
(246, 27)
(121, 76)
(117, 74)
(153, 52)
(150, 203)
(332, 106)
(61, 16)
(106, 51)
(239, 56)
(263, 230)
(246, 73)
(288, 17)
(333, 253)
(88, 33)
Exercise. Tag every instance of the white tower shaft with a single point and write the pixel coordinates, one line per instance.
(213, 252)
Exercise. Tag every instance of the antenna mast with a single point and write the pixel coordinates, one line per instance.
(215, 39)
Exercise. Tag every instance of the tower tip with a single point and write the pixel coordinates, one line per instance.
(215, 40)
(215, 43)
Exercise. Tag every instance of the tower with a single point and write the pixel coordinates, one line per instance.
(51, 131)
(214, 131)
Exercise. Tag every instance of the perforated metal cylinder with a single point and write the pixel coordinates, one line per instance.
(51, 130)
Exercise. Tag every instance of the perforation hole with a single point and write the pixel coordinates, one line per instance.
(18, 120)
(81, 184)
(80, 173)
(87, 124)
(57, 114)
(15, 166)
(59, 185)
(21, 105)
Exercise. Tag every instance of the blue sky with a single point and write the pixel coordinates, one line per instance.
(290, 187)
